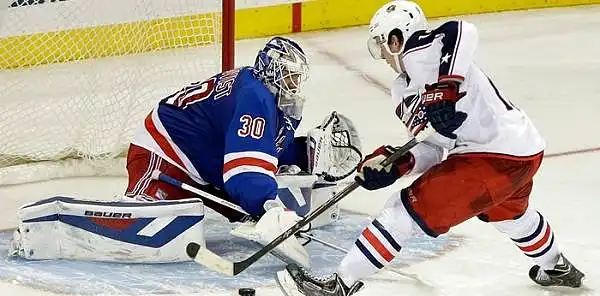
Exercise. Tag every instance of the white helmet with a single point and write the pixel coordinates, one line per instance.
(406, 16)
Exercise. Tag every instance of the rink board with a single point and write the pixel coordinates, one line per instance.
(91, 278)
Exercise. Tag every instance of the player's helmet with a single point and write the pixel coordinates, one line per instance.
(283, 66)
(405, 17)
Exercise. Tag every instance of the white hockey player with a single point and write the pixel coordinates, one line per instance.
(493, 153)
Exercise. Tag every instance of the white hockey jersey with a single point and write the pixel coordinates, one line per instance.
(493, 126)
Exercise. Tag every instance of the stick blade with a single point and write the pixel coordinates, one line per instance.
(209, 259)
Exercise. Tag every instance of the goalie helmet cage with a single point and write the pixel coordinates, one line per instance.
(77, 78)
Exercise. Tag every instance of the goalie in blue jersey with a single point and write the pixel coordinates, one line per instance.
(231, 135)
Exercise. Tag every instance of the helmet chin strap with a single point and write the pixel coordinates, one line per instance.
(396, 65)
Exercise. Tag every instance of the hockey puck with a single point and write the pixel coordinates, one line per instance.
(192, 250)
(246, 292)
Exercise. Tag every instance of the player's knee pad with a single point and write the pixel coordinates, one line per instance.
(396, 219)
(121, 231)
(521, 226)
(303, 193)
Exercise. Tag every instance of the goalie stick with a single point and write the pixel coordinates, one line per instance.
(158, 175)
(219, 264)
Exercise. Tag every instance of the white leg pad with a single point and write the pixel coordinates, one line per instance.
(140, 232)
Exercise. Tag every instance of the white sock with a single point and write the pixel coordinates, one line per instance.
(379, 243)
(533, 235)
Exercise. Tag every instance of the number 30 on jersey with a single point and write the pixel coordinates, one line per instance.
(251, 126)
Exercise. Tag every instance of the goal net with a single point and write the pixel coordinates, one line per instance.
(78, 76)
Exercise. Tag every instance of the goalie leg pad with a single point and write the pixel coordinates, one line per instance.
(134, 232)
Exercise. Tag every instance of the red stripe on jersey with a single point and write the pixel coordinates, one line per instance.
(540, 243)
(162, 142)
(498, 155)
(250, 161)
(456, 78)
(374, 241)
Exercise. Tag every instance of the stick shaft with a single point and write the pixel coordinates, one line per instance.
(158, 175)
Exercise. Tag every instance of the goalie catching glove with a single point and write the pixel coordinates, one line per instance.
(334, 148)
(372, 175)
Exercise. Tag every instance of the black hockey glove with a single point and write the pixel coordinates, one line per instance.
(372, 176)
(440, 100)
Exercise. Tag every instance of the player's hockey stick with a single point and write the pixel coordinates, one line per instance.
(219, 264)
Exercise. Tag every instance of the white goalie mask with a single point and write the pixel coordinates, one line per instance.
(405, 16)
(283, 66)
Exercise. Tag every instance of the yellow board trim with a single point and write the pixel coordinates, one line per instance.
(109, 40)
(329, 14)
(263, 21)
(461, 7)
(187, 31)
(136, 37)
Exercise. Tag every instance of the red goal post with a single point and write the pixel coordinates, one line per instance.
(228, 35)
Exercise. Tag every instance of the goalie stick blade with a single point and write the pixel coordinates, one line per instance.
(209, 259)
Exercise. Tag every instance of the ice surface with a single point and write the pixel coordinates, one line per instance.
(91, 278)
(545, 61)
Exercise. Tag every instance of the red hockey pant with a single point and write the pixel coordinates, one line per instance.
(490, 186)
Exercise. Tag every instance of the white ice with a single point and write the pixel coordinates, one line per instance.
(546, 61)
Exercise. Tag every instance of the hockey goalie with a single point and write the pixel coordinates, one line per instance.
(232, 137)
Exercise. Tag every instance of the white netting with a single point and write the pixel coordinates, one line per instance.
(78, 76)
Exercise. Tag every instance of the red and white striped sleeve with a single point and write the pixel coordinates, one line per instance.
(248, 161)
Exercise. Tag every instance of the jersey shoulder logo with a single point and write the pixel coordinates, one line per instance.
(412, 113)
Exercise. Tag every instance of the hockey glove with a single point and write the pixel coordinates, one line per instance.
(440, 100)
(372, 176)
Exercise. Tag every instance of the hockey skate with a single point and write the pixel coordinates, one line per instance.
(563, 274)
(296, 280)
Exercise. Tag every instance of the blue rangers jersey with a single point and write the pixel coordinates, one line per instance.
(226, 131)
